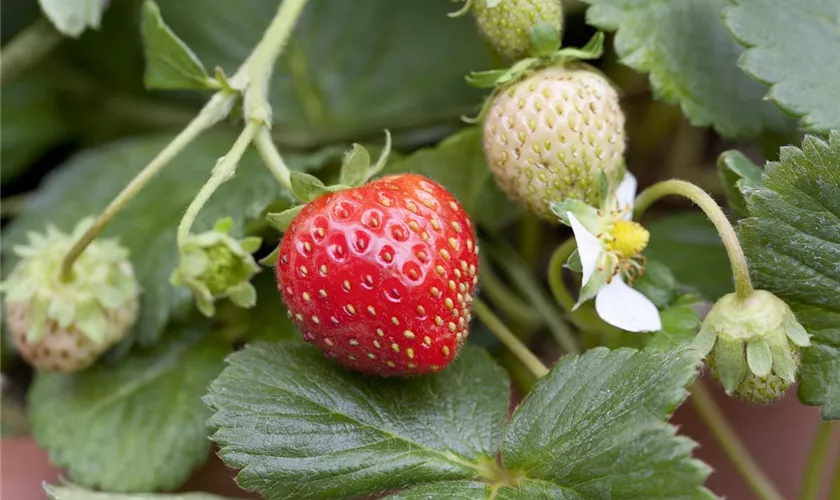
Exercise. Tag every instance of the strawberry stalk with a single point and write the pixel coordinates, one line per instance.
(251, 80)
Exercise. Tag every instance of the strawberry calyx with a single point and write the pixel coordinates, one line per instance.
(356, 170)
(545, 52)
(214, 265)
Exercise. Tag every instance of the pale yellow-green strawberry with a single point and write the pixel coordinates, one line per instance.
(549, 136)
(507, 24)
(752, 345)
(64, 325)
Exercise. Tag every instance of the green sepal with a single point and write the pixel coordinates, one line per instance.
(281, 220)
(244, 295)
(306, 187)
(545, 40)
(223, 225)
(785, 363)
(573, 262)
(796, 332)
(593, 49)
(90, 320)
(37, 321)
(705, 340)
(355, 166)
(382, 160)
(730, 363)
(606, 196)
(585, 214)
(603, 269)
(759, 357)
(250, 244)
(270, 260)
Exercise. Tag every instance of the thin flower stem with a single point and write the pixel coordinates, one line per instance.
(510, 340)
(27, 49)
(555, 274)
(222, 172)
(215, 110)
(524, 279)
(737, 260)
(272, 159)
(731, 444)
(509, 303)
(261, 63)
(817, 461)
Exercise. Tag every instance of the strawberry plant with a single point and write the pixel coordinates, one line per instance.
(414, 250)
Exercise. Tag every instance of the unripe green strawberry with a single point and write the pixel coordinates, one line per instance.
(507, 24)
(752, 345)
(65, 326)
(548, 137)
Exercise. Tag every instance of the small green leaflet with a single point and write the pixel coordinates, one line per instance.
(73, 17)
(98, 422)
(737, 174)
(458, 164)
(792, 241)
(170, 64)
(593, 427)
(691, 60)
(792, 45)
(69, 492)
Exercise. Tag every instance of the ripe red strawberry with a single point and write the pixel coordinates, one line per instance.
(381, 277)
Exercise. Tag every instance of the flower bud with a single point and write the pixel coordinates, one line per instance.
(65, 325)
(752, 345)
(213, 266)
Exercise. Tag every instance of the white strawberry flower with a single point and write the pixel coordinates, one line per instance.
(609, 246)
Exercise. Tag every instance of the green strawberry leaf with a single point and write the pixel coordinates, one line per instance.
(139, 426)
(690, 246)
(458, 164)
(594, 427)
(170, 64)
(680, 323)
(70, 492)
(147, 225)
(330, 433)
(788, 44)
(792, 240)
(738, 174)
(691, 59)
(72, 17)
(657, 283)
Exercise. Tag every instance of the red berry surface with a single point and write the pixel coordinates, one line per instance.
(381, 277)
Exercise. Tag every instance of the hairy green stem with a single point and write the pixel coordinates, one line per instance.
(508, 302)
(261, 63)
(222, 172)
(272, 159)
(215, 110)
(731, 444)
(514, 345)
(27, 49)
(737, 260)
(817, 461)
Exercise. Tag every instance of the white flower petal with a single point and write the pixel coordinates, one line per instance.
(626, 308)
(625, 194)
(588, 246)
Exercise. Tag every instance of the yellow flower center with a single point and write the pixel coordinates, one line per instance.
(628, 238)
